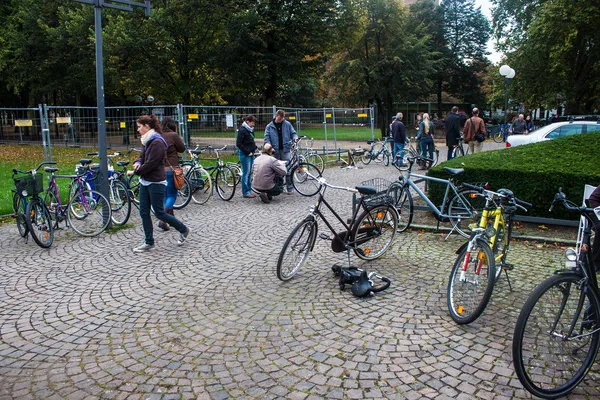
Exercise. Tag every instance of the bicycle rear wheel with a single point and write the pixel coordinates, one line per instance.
(86, 213)
(134, 188)
(225, 181)
(470, 289)
(316, 160)
(305, 179)
(458, 151)
(464, 211)
(19, 209)
(366, 157)
(120, 203)
(184, 195)
(404, 204)
(295, 250)
(39, 223)
(498, 136)
(201, 185)
(374, 232)
(557, 336)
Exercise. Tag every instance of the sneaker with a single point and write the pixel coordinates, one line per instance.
(143, 248)
(182, 237)
(163, 226)
(264, 198)
(290, 191)
(250, 196)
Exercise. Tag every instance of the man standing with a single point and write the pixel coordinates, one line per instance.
(268, 175)
(472, 126)
(399, 135)
(452, 128)
(520, 126)
(279, 133)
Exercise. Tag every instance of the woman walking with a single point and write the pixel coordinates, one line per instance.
(150, 166)
(426, 130)
(246, 145)
(175, 146)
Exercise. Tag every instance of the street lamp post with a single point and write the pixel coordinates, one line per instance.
(508, 73)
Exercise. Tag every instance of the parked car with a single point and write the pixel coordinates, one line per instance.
(552, 131)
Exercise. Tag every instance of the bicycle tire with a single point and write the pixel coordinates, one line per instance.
(545, 354)
(466, 302)
(134, 189)
(464, 210)
(201, 185)
(120, 203)
(184, 195)
(51, 203)
(366, 157)
(316, 160)
(295, 250)
(402, 200)
(305, 179)
(374, 232)
(225, 183)
(386, 159)
(39, 223)
(497, 137)
(86, 213)
(436, 158)
(458, 151)
(19, 209)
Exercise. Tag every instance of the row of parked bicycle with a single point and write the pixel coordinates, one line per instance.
(557, 335)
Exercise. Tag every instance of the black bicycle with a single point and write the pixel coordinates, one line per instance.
(369, 234)
(557, 335)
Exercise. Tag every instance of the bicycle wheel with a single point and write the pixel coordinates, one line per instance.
(295, 250)
(378, 157)
(386, 159)
(19, 209)
(305, 179)
(201, 185)
(464, 210)
(316, 160)
(225, 183)
(458, 151)
(134, 188)
(436, 158)
(469, 290)
(120, 203)
(39, 223)
(51, 203)
(86, 213)
(366, 157)
(184, 195)
(374, 232)
(499, 250)
(557, 336)
(498, 136)
(404, 204)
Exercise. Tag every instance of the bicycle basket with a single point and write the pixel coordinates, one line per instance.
(31, 184)
(378, 199)
(380, 184)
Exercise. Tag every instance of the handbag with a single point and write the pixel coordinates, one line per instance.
(480, 137)
(178, 179)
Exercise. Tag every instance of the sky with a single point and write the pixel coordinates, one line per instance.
(485, 9)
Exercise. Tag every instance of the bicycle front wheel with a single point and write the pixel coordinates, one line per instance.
(295, 250)
(120, 203)
(386, 159)
(374, 232)
(498, 136)
(404, 204)
(464, 211)
(471, 282)
(39, 223)
(366, 157)
(305, 179)
(184, 195)
(225, 181)
(458, 151)
(557, 336)
(19, 209)
(86, 213)
(201, 185)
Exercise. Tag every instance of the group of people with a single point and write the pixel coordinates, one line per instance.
(269, 170)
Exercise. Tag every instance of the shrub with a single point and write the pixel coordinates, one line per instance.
(534, 172)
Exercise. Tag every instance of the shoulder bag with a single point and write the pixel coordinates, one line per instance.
(178, 179)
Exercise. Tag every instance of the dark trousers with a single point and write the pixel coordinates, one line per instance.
(153, 196)
(596, 244)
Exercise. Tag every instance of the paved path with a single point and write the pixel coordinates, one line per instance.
(90, 319)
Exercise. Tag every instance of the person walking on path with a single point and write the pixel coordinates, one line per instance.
(246, 148)
(426, 130)
(519, 127)
(150, 166)
(399, 135)
(279, 133)
(175, 146)
(268, 175)
(472, 126)
(452, 128)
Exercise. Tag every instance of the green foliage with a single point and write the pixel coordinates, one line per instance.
(533, 172)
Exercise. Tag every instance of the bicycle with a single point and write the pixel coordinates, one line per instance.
(87, 211)
(460, 149)
(502, 134)
(369, 233)
(303, 175)
(222, 175)
(31, 219)
(412, 149)
(199, 180)
(383, 154)
(457, 206)
(557, 335)
(482, 258)
(309, 155)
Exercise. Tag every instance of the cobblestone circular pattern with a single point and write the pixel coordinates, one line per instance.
(88, 318)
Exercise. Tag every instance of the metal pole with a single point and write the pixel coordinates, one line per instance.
(334, 130)
(504, 129)
(103, 179)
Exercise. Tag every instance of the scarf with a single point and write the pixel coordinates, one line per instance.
(146, 137)
(250, 128)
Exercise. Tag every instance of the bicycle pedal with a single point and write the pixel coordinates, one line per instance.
(324, 236)
(507, 267)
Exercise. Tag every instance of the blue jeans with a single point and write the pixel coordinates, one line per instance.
(171, 192)
(288, 177)
(427, 147)
(398, 147)
(153, 196)
(247, 162)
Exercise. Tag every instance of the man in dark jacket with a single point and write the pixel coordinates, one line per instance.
(452, 128)
(399, 135)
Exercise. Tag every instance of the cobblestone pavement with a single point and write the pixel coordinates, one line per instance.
(90, 319)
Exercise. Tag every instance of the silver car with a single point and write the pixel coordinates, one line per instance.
(552, 131)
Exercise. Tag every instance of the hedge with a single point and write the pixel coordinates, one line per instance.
(534, 172)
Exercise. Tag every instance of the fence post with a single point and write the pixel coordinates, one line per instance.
(334, 130)
(325, 128)
(45, 125)
(182, 126)
(371, 114)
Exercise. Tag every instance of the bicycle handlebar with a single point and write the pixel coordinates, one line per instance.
(489, 193)
(32, 172)
(560, 197)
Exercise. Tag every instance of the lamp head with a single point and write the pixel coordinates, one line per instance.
(505, 70)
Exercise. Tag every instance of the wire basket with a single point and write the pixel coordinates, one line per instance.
(380, 184)
(31, 184)
(378, 199)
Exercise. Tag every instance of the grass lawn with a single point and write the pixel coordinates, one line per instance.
(354, 133)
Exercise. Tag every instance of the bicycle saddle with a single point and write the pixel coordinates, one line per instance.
(196, 152)
(370, 141)
(366, 189)
(454, 171)
(50, 169)
(85, 161)
(122, 163)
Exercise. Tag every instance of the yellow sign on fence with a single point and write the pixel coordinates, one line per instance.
(192, 116)
(362, 115)
(23, 122)
(291, 117)
(63, 120)
(327, 115)
(122, 125)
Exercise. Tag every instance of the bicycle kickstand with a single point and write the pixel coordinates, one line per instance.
(449, 233)
(507, 278)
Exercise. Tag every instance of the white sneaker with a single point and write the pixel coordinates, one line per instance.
(143, 248)
(182, 237)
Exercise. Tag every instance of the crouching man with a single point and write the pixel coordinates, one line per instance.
(268, 174)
